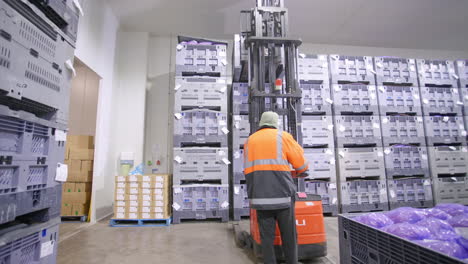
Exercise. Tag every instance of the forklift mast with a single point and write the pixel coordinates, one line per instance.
(272, 67)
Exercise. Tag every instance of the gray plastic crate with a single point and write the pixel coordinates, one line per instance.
(36, 243)
(436, 73)
(406, 161)
(357, 130)
(464, 95)
(28, 141)
(361, 163)
(403, 130)
(316, 99)
(200, 201)
(240, 98)
(361, 244)
(194, 127)
(40, 205)
(328, 192)
(448, 160)
(317, 131)
(396, 71)
(238, 165)
(240, 130)
(201, 59)
(206, 93)
(321, 163)
(410, 193)
(241, 204)
(399, 99)
(445, 129)
(451, 190)
(441, 100)
(359, 69)
(363, 196)
(355, 98)
(200, 164)
(462, 71)
(313, 68)
(240, 59)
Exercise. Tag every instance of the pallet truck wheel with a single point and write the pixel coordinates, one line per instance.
(240, 240)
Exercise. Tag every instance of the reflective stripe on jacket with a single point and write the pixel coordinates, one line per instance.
(268, 156)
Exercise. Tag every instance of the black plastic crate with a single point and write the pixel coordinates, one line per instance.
(360, 243)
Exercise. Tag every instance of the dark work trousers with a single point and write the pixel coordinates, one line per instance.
(287, 224)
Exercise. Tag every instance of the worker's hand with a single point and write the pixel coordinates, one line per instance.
(301, 175)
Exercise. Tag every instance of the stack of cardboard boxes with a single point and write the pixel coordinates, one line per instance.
(142, 197)
(79, 156)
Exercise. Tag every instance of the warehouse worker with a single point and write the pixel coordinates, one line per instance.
(268, 154)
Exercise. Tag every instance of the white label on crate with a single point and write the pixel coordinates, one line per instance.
(222, 54)
(420, 119)
(379, 153)
(69, 66)
(373, 96)
(384, 120)
(466, 97)
(425, 101)
(178, 159)
(221, 81)
(392, 194)
(179, 47)
(178, 116)
(427, 183)
(376, 125)
(176, 206)
(454, 179)
(455, 90)
(221, 153)
(177, 190)
(341, 153)
(330, 127)
(226, 161)
(47, 248)
(416, 96)
(177, 87)
(223, 89)
(60, 135)
(158, 185)
(461, 63)
(464, 149)
(446, 119)
(236, 93)
(379, 64)
(371, 88)
(61, 172)
(322, 57)
(329, 152)
(381, 89)
(463, 133)
(332, 186)
(237, 125)
(222, 123)
(342, 128)
(330, 101)
(225, 204)
(324, 65)
(337, 87)
(236, 189)
(383, 191)
(453, 148)
(332, 161)
(459, 103)
(461, 127)
(424, 156)
(146, 185)
(224, 62)
(455, 76)
(236, 155)
(334, 200)
(309, 203)
(302, 55)
(225, 130)
(237, 118)
(412, 68)
(387, 151)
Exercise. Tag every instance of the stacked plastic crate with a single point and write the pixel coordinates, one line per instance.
(361, 169)
(317, 129)
(200, 167)
(445, 129)
(462, 74)
(405, 150)
(36, 50)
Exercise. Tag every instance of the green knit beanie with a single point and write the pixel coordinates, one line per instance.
(269, 119)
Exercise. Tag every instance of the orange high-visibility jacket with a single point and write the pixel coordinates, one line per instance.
(268, 154)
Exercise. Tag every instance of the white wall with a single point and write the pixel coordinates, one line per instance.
(96, 48)
(160, 94)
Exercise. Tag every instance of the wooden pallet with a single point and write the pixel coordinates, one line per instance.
(73, 218)
(139, 222)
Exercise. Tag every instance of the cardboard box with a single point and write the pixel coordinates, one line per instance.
(162, 215)
(80, 141)
(74, 165)
(146, 185)
(120, 215)
(76, 197)
(144, 215)
(80, 176)
(120, 178)
(126, 203)
(126, 197)
(80, 209)
(83, 187)
(81, 154)
(87, 165)
(133, 215)
(68, 187)
(145, 191)
(134, 178)
(143, 203)
(146, 209)
(145, 197)
(66, 209)
(132, 209)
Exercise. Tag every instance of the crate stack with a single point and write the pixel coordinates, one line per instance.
(37, 40)
(76, 193)
(139, 198)
(404, 143)
(462, 74)
(317, 129)
(361, 169)
(201, 161)
(445, 130)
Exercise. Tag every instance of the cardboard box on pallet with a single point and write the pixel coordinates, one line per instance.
(81, 154)
(80, 176)
(80, 141)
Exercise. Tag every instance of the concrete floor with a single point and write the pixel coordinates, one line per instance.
(193, 242)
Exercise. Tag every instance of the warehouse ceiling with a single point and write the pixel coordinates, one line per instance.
(412, 24)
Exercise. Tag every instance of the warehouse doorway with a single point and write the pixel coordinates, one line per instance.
(79, 156)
